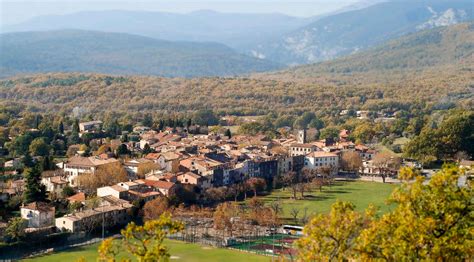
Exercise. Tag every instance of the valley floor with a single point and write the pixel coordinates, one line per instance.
(180, 251)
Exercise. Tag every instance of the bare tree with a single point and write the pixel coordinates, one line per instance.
(256, 184)
(305, 217)
(234, 191)
(387, 164)
(104, 176)
(291, 181)
(351, 161)
(294, 213)
(155, 208)
(275, 205)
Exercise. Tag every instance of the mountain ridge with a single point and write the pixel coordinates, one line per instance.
(118, 53)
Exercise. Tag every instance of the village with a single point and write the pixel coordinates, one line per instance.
(107, 189)
(177, 159)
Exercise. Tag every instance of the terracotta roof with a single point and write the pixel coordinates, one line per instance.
(58, 180)
(159, 184)
(40, 206)
(153, 156)
(79, 197)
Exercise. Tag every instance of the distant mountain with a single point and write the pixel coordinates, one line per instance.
(118, 53)
(238, 31)
(451, 46)
(348, 32)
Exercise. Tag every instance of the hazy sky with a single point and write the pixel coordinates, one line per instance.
(15, 11)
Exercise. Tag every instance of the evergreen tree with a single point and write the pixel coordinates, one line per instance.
(28, 160)
(61, 127)
(48, 163)
(75, 126)
(148, 120)
(161, 125)
(122, 150)
(147, 149)
(228, 133)
(35, 191)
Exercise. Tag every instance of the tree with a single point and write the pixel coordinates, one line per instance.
(144, 243)
(256, 184)
(333, 236)
(228, 133)
(205, 118)
(363, 133)
(146, 149)
(215, 194)
(351, 161)
(147, 120)
(329, 133)
(146, 168)
(28, 160)
(294, 213)
(20, 145)
(233, 191)
(122, 150)
(431, 222)
(68, 191)
(155, 208)
(223, 216)
(105, 175)
(16, 228)
(386, 163)
(256, 205)
(35, 191)
(291, 180)
(61, 127)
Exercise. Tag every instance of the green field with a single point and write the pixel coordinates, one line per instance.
(358, 192)
(180, 251)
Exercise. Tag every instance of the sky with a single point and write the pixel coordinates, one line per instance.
(17, 11)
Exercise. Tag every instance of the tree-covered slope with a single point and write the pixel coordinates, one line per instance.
(117, 53)
(444, 46)
(348, 32)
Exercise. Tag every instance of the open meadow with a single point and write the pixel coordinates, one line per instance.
(358, 192)
(180, 251)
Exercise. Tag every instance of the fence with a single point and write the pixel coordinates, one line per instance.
(48, 244)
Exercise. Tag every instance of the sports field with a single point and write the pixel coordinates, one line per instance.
(180, 251)
(358, 192)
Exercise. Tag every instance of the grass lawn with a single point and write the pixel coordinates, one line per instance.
(180, 251)
(358, 192)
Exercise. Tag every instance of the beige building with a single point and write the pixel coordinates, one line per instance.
(38, 214)
(78, 165)
(113, 212)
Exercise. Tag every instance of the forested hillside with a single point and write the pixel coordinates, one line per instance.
(453, 45)
(116, 53)
(95, 94)
(429, 70)
(349, 32)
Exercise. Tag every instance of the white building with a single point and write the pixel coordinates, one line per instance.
(302, 149)
(321, 159)
(38, 214)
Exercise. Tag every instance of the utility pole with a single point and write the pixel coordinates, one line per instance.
(103, 221)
